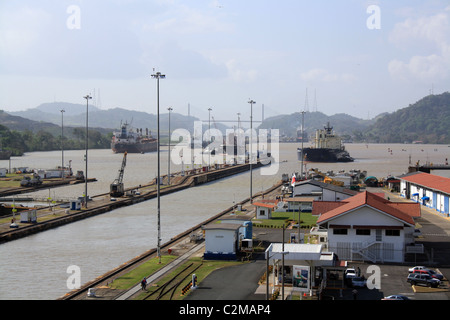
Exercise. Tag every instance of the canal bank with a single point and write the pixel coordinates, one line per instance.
(103, 203)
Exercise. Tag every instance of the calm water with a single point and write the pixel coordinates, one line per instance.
(35, 267)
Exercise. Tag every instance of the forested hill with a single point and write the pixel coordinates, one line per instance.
(427, 120)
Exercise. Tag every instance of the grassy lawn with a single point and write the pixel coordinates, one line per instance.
(282, 218)
(132, 278)
(11, 181)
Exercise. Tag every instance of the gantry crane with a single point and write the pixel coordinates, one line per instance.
(116, 188)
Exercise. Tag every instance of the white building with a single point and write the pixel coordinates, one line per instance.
(221, 240)
(264, 210)
(301, 264)
(371, 228)
(428, 189)
(321, 191)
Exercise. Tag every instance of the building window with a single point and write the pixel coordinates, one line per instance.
(262, 212)
(340, 231)
(394, 233)
(363, 232)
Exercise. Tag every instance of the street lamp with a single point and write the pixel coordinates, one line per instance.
(87, 97)
(168, 161)
(301, 177)
(62, 143)
(209, 136)
(158, 76)
(251, 149)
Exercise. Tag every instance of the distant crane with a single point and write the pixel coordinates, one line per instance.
(116, 188)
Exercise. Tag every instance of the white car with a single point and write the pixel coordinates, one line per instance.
(350, 273)
(411, 270)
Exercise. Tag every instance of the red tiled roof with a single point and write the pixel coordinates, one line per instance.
(404, 213)
(430, 181)
(265, 205)
(320, 207)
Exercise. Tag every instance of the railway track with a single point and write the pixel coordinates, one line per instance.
(172, 285)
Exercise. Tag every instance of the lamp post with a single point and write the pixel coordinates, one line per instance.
(209, 136)
(158, 76)
(62, 143)
(87, 97)
(251, 149)
(301, 177)
(168, 161)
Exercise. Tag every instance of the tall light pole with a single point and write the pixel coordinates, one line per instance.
(158, 76)
(168, 161)
(251, 149)
(87, 97)
(301, 172)
(62, 143)
(209, 136)
(303, 123)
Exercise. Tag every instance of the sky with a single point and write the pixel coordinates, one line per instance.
(356, 57)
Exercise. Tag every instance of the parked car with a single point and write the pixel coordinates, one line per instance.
(411, 270)
(425, 270)
(423, 279)
(358, 282)
(435, 274)
(396, 297)
(349, 273)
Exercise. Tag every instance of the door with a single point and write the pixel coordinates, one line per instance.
(378, 235)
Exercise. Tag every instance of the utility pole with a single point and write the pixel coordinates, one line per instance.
(158, 76)
(251, 149)
(87, 97)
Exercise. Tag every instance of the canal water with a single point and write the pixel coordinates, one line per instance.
(36, 267)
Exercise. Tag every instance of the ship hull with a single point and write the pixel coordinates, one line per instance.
(134, 147)
(324, 155)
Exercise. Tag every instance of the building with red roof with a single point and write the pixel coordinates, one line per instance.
(430, 190)
(368, 227)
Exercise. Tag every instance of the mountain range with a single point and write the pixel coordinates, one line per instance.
(426, 120)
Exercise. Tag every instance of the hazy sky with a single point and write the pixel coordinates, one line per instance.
(356, 57)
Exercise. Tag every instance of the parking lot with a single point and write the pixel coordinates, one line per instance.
(392, 281)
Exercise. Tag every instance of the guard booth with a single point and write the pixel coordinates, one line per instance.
(28, 216)
(75, 204)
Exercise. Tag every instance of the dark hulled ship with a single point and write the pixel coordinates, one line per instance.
(327, 148)
(133, 141)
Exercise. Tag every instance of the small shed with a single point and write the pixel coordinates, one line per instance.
(75, 204)
(221, 240)
(264, 210)
(28, 216)
(245, 231)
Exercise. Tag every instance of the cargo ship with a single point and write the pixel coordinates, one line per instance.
(133, 141)
(327, 148)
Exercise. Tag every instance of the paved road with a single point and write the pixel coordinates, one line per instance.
(232, 283)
